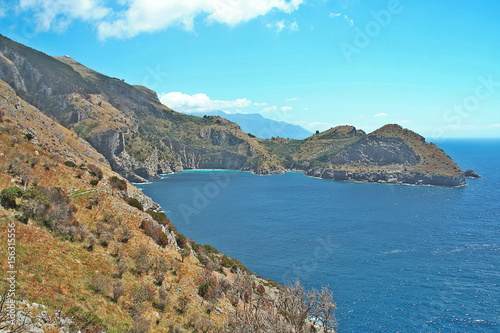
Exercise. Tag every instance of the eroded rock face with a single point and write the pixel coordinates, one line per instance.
(219, 138)
(378, 151)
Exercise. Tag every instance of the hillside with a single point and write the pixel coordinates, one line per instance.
(140, 138)
(90, 256)
(127, 124)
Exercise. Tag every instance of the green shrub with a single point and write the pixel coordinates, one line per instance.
(203, 289)
(85, 320)
(233, 263)
(181, 240)
(159, 217)
(135, 203)
(210, 249)
(9, 195)
(94, 182)
(28, 136)
(70, 164)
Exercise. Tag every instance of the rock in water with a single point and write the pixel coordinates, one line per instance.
(471, 173)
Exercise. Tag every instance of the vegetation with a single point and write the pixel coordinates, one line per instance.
(9, 195)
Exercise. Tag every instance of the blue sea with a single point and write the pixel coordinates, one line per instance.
(398, 258)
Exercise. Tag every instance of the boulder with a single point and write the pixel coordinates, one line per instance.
(471, 174)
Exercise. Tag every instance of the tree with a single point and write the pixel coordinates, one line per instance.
(184, 253)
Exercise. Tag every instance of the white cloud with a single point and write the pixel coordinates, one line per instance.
(346, 17)
(380, 115)
(278, 26)
(269, 109)
(58, 14)
(283, 24)
(350, 21)
(313, 126)
(260, 104)
(133, 17)
(286, 108)
(293, 99)
(154, 15)
(293, 26)
(199, 103)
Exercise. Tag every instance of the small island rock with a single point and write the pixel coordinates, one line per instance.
(471, 173)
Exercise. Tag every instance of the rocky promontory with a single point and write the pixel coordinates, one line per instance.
(389, 177)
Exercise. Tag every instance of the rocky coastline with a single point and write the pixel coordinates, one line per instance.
(388, 177)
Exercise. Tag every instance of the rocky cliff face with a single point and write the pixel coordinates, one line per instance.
(379, 151)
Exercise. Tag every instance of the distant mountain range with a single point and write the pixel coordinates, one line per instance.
(261, 127)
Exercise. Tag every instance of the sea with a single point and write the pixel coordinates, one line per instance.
(398, 258)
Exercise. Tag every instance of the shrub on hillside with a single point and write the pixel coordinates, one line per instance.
(134, 203)
(52, 207)
(70, 164)
(85, 321)
(142, 260)
(122, 267)
(210, 249)
(9, 195)
(95, 171)
(101, 284)
(118, 290)
(118, 184)
(181, 240)
(159, 217)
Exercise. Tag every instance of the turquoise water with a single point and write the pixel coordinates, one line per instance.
(398, 258)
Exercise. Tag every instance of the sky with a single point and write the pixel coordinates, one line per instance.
(430, 66)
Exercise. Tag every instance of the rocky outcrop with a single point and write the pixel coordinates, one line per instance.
(391, 177)
(378, 151)
(471, 174)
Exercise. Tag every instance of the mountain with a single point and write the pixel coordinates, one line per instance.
(138, 135)
(256, 124)
(141, 138)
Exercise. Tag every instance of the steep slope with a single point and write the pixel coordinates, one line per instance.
(138, 135)
(87, 251)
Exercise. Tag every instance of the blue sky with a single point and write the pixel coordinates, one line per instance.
(431, 66)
